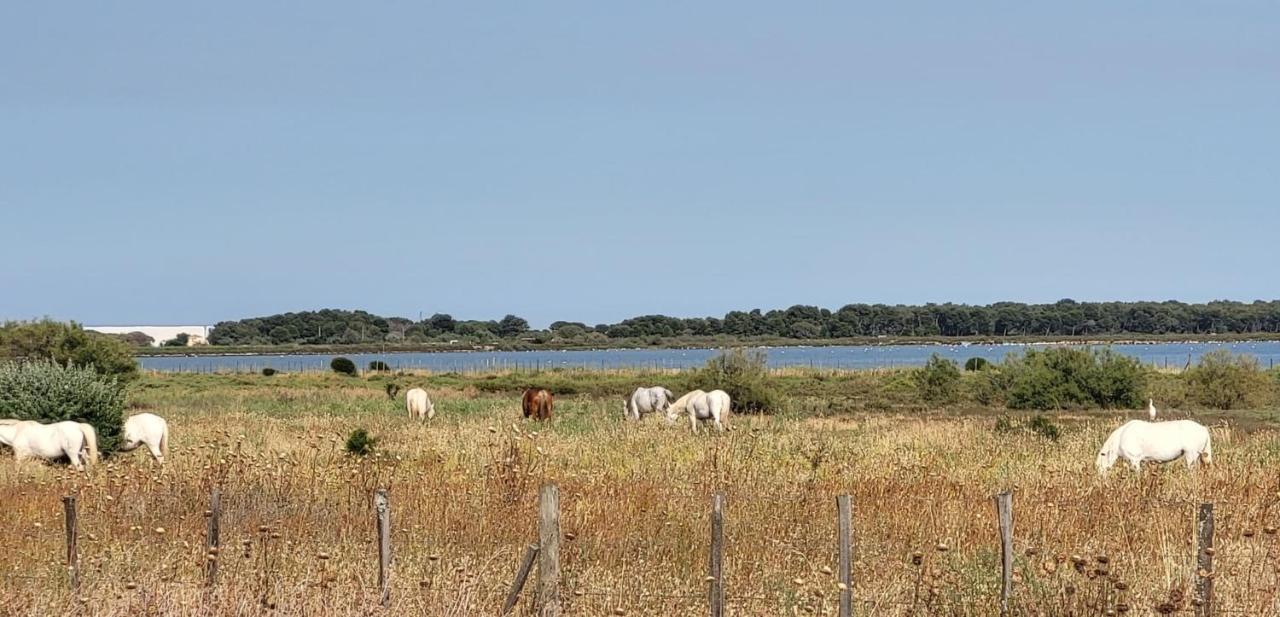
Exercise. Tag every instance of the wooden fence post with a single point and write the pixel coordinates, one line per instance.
(73, 554)
(844, 539)
(1204, 561)
(716, 562)
(549, 551)
(1004, 512)
(382, 507)
(212, 541)
(522, 574)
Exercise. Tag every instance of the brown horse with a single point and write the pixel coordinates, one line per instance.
(537, 404)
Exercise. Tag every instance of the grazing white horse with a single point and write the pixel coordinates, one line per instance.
(713, 406)
(1139, 440)
(50, 441)
(681, 405)
(647, 400)
(1151, 409)
(150, 429)
(419, 404)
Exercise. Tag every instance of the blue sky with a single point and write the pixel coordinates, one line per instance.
(589, 161)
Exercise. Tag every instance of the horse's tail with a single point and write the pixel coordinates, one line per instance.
(90, 441)
(1207, 453)
(164, 439)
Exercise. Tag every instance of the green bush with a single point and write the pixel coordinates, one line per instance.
(379, 366)
(976, 364)
(45, 391)
(1044, 427)
(178, 341)
(741, 373)
(267, 372)
(343, 366)
(67, 344)
(360, 443)
(938, 380)
(1038, 424)
(1225, 381)
(1063, 377)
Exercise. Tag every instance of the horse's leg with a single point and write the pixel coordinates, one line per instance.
(156, 453)
(1191, 458)
(74, 458)
(719, 426)
(693, 421)
(1137, 465)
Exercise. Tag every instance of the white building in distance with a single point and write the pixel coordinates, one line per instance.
(197, 335)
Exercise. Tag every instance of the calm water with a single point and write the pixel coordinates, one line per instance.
(887, 356)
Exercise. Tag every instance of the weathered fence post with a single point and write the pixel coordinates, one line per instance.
(1004, 512)
(382, 507)
(1204, 561)
(73, 554)
(844, 527)
(716, 562)
(212, 542)
(549, 551)
(522, 574)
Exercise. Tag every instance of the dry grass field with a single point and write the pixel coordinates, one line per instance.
(298, 532)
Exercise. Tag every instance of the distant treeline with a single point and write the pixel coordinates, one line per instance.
(1002, 319)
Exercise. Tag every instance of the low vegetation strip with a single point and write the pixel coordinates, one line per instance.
(1065, 318)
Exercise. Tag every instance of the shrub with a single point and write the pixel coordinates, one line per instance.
(1038, 424)
(67, 344)
(343, 366)
(1225, 381)
(267, 372)
(360, 443)
(1063, 377)
(743, 375)
(182, 340)
(1044, 427)
(938, 380)
(392, 390)
(379, 366)
(46, 391)
(976, 364)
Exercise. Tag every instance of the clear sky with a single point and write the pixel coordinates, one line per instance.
(596, 160)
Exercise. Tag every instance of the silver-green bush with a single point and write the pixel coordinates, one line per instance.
(49, 392)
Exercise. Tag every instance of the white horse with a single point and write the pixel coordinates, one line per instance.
(681, 405)
(150, 429)
(1151, 409)
(50, 441)
(419, 404)
(647, 400)
(1139, 440)
(713, 406)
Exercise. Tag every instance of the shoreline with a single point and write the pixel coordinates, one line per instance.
(519, 346)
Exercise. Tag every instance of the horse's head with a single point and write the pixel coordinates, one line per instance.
(1104, 462)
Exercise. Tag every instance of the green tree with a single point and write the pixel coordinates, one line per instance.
(512, 326)
(67, 344)
(178, 341)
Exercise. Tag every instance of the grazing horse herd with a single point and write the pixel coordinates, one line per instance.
(1135, 441)
(78, 441)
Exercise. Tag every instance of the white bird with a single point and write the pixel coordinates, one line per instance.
(1151, 409)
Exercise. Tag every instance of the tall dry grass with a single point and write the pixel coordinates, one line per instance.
(298, 533)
